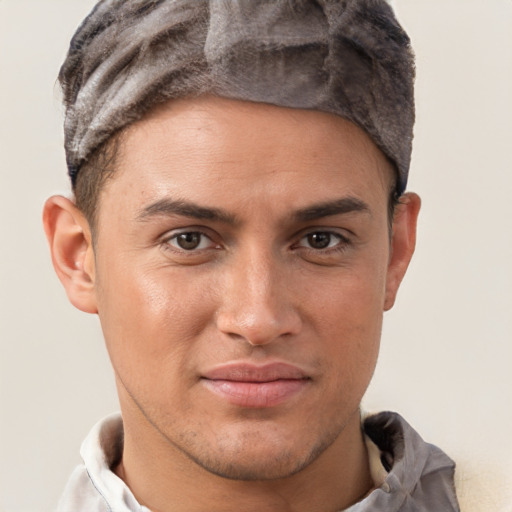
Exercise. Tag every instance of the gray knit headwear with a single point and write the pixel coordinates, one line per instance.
(347, 57)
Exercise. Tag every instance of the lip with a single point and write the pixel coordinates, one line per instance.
(252, 386)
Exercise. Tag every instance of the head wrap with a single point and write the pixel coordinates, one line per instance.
(346, 57)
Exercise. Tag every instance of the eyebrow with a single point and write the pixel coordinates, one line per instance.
(186, 209)
(337, 207)
(183, 208)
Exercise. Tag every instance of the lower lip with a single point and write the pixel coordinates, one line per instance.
(256, 394)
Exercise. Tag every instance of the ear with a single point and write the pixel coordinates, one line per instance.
(70, 240)
(403, 243)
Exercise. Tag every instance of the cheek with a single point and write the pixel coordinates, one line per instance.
(150, 318)
(352, 296)
(352, 321)
(349, 316)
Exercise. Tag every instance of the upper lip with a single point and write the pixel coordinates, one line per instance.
(249, 372)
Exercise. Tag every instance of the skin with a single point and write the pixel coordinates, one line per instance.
(259, 288)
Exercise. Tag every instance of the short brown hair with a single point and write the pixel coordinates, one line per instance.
(93, 175)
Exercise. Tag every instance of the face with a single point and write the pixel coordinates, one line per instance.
(241, 270)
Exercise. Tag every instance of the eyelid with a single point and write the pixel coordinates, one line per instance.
(321, 256)
(335, 235)
(173, 234)
(342, 234)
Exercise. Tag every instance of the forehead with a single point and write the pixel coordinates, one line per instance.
(188, 147)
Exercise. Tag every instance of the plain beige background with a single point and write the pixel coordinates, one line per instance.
(446, 361)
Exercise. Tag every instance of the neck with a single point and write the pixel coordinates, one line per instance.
(164, 479)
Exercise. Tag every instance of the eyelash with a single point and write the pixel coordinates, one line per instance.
(342, 243)
(168, 246)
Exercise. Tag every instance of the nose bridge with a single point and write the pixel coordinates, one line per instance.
(256, 303)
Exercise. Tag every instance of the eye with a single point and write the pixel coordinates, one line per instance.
(320, 240)
(190, 241)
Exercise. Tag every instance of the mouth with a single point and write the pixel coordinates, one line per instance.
(252, 386)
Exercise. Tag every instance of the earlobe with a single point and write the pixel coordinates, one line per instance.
(403, 243)
(69, 237)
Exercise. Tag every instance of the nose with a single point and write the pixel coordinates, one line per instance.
(257, 302)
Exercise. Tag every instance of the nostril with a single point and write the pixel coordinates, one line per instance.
(259, 328)
(256, 303)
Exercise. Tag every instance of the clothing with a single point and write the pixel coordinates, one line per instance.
(420, 476)
(350, 58)
(409, 474)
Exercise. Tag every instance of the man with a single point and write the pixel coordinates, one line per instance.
(239, 226)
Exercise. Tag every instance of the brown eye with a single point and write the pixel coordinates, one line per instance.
(190, 241)
(321, 240)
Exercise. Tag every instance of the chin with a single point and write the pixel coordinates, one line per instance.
(272, 467)
(262, 459)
